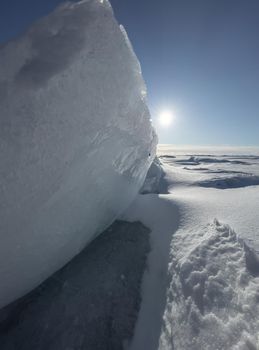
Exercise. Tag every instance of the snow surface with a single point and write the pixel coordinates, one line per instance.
(200, 290)
(161, 216)
(75, 139)
(207, 296)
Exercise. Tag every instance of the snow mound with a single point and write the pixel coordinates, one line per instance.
(231, 182)
(75, 139)
(214, 292)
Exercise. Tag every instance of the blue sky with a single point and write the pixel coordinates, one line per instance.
(199, 58)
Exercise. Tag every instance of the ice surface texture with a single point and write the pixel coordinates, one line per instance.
(75, 139)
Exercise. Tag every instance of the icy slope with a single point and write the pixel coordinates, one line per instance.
(75, 139)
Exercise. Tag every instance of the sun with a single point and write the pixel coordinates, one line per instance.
(165, 118)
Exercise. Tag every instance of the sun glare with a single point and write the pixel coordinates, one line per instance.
(165, 118)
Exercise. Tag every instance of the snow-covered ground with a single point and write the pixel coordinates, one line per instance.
(200, 287)
(207, 297)
(76, 142)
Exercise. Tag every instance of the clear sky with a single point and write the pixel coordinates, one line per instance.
(200, 59)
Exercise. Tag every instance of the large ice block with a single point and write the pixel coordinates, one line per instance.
(75, 139)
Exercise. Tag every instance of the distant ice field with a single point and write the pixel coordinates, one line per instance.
(221, 182)
(163, 149)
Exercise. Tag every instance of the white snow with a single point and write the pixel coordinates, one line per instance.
(210, 218)
(161, 216)
(213, 297)
(75, 139)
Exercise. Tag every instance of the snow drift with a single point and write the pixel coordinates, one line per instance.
(212, 302)
(75, 139)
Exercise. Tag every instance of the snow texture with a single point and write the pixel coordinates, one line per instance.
(213, 298)
(75, 139)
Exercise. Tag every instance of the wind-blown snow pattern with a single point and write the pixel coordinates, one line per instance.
(213, 298)
(75, 139)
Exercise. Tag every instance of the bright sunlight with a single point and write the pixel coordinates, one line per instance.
(165, 118)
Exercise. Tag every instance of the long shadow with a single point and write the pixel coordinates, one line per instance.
(92, 303)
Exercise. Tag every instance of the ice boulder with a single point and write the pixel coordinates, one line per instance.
(75, 139)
